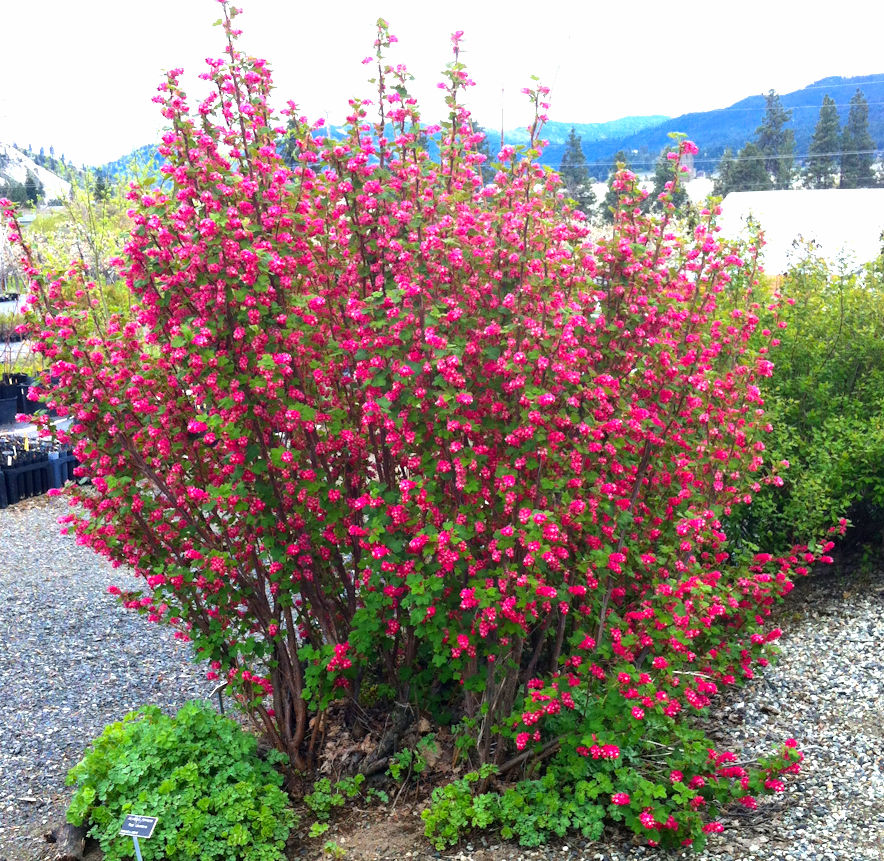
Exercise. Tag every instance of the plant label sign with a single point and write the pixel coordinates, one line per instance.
(138, 826)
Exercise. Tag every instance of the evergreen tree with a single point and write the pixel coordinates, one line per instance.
(423, 139)
(102, 189)
(287, 148)
(746, 172)
(14, 191)
(775, 142)
(575, 174)
(33, 189)
(487, 168)
(724, 182)
(621, 162)
(824, 146)
(857, 146)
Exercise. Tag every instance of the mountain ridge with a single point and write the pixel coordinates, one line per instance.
(734, 125)
(644, 137)
(641, 137)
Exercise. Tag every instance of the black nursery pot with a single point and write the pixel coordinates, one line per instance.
(8, 410)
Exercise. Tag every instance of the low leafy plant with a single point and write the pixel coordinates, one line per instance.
(326, 796)
(333, 850)
(380, 796)
(198, 773)
(406, 762)
(452, 811)
(580, 790)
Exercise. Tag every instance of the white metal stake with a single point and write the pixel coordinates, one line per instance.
(137, 848)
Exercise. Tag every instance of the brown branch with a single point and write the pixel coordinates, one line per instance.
(549, 749)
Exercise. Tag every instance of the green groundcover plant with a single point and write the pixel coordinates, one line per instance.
(380, 432)
(197, 772)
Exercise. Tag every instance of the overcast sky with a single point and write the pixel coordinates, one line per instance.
(80, 76)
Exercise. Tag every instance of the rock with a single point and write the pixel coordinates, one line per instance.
(69, 842)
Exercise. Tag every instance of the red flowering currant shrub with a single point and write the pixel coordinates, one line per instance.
(378, 428)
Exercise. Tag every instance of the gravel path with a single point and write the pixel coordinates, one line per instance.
(72, 661)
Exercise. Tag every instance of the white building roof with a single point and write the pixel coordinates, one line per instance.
(843, 222)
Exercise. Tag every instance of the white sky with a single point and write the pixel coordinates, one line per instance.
(80, 75)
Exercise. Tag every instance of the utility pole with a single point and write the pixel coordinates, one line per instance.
(501, 117)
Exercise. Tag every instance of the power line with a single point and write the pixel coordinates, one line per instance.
(878, 79)
(733, 109)
(761, 108)
(832, 188)
(735, 157)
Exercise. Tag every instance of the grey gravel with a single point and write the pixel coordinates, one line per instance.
(72, 661)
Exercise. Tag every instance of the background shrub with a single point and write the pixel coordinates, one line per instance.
(825, 402)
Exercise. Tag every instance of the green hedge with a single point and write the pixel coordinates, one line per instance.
(825, 403)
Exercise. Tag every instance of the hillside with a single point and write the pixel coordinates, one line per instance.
(16, 167)
(144, 158)
(733, 126)
(555, 132)
(642, 138)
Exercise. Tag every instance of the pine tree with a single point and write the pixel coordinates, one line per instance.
(775, 142)
(288, 148)
(824, 146)
(748, 171)
(14, 191)
(575, 174)
(487, 168)
(857, 146)
(102, 189)
(33, 188)
(724, 182)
